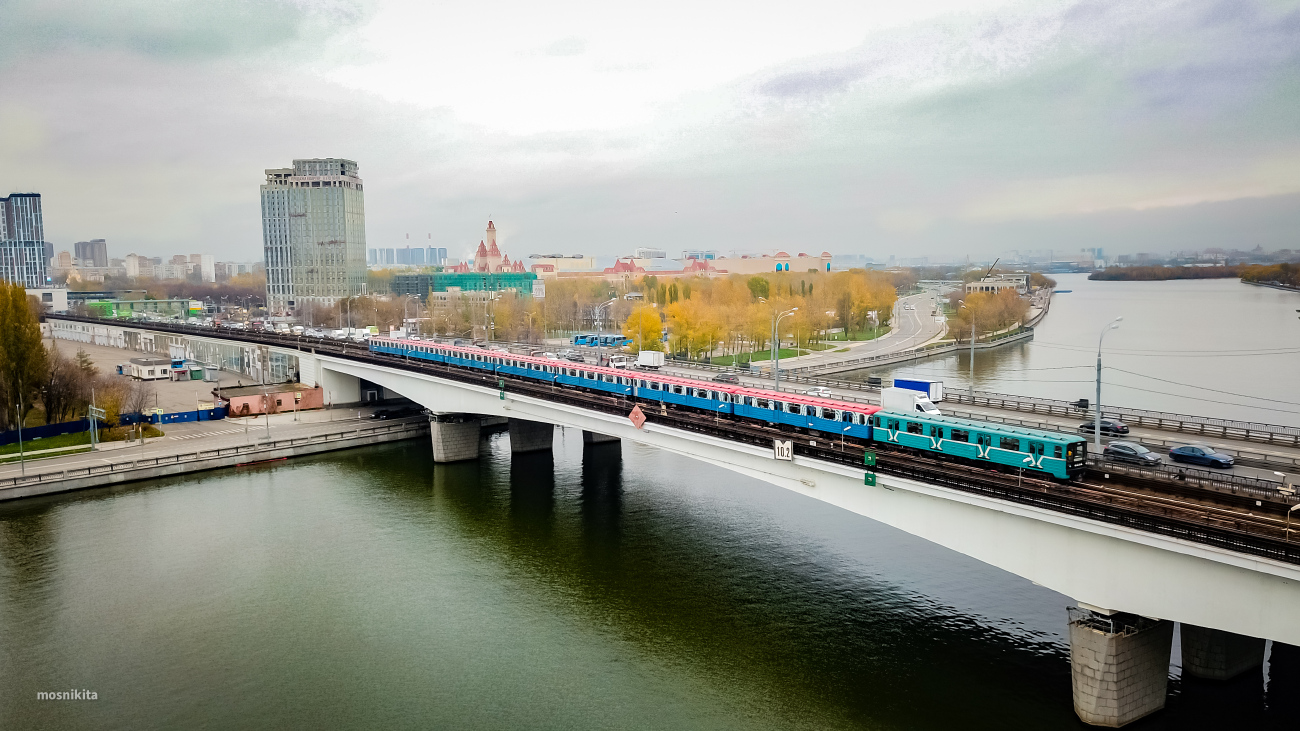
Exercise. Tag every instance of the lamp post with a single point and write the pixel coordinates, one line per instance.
(972, 352)
(776, 347)
(1096, 427)
(600, 328)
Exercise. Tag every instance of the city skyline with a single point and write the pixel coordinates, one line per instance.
(938, 130)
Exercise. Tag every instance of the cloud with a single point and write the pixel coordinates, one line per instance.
(571, 46)
(177, 29)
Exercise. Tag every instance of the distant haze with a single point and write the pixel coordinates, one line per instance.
(934, 128)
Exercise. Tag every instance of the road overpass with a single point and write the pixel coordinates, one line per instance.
(1136, 554)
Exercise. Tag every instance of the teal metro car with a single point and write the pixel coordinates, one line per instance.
(1063, 456)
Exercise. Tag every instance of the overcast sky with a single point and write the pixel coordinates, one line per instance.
(927, 128)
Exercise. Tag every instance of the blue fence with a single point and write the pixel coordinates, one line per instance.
(80, 425)
(42, 432)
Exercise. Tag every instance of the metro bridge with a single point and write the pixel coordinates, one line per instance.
(1136, 552)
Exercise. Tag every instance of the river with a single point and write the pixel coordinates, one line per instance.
(616, 588)
(1211, 347)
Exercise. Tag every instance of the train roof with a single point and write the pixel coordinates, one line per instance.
(989, 426)
(797, 398)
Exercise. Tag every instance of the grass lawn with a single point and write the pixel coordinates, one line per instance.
(72, 440)
(31, 458)
(726, 360)
(860, 336)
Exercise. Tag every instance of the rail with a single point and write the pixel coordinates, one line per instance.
(251, 450)
(1236, 515)
(1183, 423)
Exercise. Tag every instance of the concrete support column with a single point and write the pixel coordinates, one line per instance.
(1119, 666)
(530, 436)
(591, 437)
(1217, 655)
(455, 437)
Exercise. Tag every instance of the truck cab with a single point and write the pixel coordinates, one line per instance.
(905, 400)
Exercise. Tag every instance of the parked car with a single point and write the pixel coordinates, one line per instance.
(818, 391)
(1202, 454)
(1130, 452)
(731, 378)
(575, 357)
(1109, 427)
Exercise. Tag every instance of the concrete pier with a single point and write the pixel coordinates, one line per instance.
(590, 437)
(1119, 666)
(1217, 655)
(455, 437)
(530, 436)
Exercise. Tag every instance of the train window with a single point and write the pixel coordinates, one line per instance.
(792, 408)
(1010, 443)
(879, 421)
(1036, 448)
(589, 375)
(1056, 451)
(914, 427)
(760, 403)
(724, 397)
(936, 431)
(959, 435)
(831, 414)
(984, 440)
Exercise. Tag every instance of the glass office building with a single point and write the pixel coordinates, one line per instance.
(314, 233)
(23, 251)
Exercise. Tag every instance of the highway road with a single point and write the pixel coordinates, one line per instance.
(187, 437)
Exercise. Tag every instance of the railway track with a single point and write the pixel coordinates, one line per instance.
(1252, 525)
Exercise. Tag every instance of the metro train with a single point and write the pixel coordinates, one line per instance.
(1063, 456)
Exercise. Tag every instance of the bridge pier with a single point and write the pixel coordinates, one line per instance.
(530, 436)
(591, 437)
(1119, 665)
(455, 437)
(1213, 654)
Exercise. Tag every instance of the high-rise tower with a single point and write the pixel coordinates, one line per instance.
(314, 233)
(23, 251)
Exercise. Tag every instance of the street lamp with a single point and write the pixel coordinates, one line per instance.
(776, 346)
(972, 352)
(1096, 427)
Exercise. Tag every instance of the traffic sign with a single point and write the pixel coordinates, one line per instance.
(783, 449)
(869, 479)
(636, 417)
(869, 459)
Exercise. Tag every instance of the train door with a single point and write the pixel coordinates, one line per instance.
(1036, 451)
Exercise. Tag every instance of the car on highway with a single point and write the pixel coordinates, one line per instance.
(819, 391)
(1202, 454)
(731, 378)
(1131, 452)
(398, 413)
(575, 357)
(1109, 427)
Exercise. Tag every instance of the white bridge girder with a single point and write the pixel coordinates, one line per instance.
(1097, 563)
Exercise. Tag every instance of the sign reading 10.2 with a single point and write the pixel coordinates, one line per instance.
(783, 449)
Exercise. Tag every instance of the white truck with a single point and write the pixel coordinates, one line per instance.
(904, 400)
(619, 361)
(652, 359)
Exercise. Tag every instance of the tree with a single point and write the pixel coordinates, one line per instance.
(758, 287)
(22, 356)
(644, 328)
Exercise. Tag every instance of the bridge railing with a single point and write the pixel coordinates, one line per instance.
(252, 450)
(1203, 426)
(1224, 482)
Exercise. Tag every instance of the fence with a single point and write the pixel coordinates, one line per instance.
(196, 458)
(44, 431)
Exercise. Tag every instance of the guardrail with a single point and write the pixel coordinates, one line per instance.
(1183, 423)
(250, 450)
(1224, 482)
(932, 349)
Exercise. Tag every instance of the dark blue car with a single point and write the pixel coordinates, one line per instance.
(1202, 454)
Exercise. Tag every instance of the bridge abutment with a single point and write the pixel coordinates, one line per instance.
(591, 437)
(530, 436)
(1119, 666)
(1213, 654)
(455, 437)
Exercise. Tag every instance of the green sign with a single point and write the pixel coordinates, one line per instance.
(869, 459)
(501, 383)
(869, 479)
